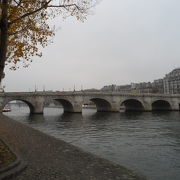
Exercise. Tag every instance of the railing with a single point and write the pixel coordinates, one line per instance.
(85, 93)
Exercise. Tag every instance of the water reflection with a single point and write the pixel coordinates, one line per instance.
(35, 119)
(148, 143)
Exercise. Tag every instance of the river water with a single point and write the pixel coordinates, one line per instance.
(146, 142)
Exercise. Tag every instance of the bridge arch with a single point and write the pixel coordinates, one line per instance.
(29, 104)
(132, 105)
(67, 105)
(161, 105)
(102, 105)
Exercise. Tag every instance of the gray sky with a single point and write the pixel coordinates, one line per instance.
(124, 41)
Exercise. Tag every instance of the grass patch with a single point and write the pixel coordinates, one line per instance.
(6, 155)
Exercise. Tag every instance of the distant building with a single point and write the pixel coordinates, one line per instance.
(144, 87)
(172, 82)
(124, 88)
(158, 86)
(112, 87)
(91, 90)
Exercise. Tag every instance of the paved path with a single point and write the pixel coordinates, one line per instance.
(49, 158)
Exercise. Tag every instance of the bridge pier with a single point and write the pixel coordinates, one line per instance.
(37, 106)
(1, 109)
(175, 106)
(115, 107)
(38, 110)
(77, 108)
(147, 107)
(1, 104)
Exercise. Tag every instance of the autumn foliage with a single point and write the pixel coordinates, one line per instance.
(24, 27)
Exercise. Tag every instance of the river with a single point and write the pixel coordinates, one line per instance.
(146, 142)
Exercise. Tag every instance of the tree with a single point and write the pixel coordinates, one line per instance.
(24, 26)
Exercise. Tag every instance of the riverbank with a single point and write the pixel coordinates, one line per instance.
(49, 158)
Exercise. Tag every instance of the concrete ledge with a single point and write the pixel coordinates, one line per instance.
(14, 168)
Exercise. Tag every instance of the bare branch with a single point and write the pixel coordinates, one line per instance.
(65, 6)
(18, 3)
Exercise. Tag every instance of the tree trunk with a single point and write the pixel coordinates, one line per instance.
(3, 37)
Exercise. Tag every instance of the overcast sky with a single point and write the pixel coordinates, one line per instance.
(124, 41)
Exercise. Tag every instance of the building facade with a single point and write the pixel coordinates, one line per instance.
(172, 82)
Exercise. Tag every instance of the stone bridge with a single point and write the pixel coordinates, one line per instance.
(109, 102)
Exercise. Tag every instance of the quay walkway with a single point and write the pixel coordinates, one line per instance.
(50, 158)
